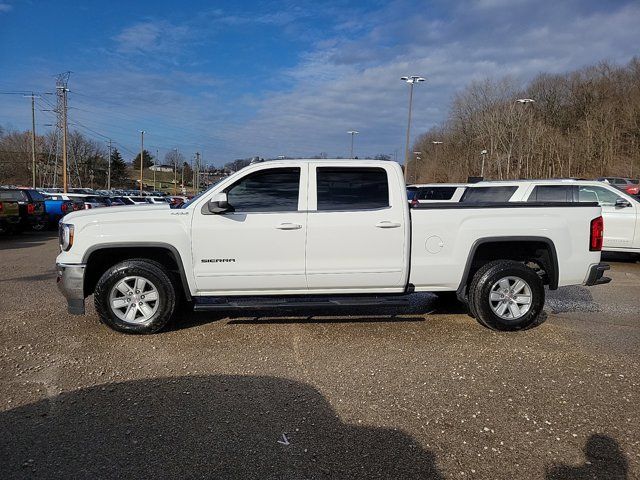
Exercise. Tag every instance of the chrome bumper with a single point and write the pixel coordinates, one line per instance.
(71, 283)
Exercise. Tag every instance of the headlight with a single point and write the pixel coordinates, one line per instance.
(66, 236)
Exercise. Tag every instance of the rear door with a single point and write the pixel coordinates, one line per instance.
(357, 237)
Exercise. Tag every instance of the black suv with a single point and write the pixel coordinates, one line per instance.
(31, 204)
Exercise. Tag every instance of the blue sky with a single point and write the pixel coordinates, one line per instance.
(241, 78)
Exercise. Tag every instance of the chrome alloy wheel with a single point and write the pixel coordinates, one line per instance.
(510, 298)
(134, 299)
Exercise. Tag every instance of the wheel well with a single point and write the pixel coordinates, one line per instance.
(100, 260)
(539, 253)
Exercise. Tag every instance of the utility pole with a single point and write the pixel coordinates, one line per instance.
(175, 172)
(197, 173)
(155, 167)
(63, 89)
(141, 158)
(109, 168)
(33, 138)
(412, 80)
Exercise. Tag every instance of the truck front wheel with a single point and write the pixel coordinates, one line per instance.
(506, 295)
(135, 296)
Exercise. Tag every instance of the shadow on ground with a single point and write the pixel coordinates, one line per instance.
(201, 427)
(604, 461)
(25, 239)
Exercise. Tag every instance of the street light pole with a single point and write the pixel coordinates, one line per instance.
(412, 80)
(435, 149)
(155, 167)
(352, 133)
(483, 153)
(175, 172)
(141, 158)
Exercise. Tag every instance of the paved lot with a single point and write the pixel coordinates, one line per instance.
(426, 393)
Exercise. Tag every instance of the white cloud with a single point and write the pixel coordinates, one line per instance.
(152, 36)
(5, 7)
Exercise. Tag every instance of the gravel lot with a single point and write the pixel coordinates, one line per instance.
(423, 393)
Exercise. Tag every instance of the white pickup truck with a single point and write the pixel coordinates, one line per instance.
(300, 233)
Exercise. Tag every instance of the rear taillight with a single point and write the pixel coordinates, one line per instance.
(597, 234)
(31, 208)
(64, 207)
(414, 203)
(1, 207)
(633, 190)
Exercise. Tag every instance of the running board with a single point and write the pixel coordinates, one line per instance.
(258, 303)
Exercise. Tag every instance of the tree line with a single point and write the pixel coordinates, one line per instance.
(583, 124)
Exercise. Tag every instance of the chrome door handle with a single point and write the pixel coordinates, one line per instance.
(289, 226)
(388, 224)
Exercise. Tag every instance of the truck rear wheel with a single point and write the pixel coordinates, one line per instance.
(506, 295)
(135, 296)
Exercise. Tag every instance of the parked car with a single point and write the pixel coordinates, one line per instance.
(435, 192)
(631, 186)
(57, 207)
(620, 211)
(33, 214)
(138, 200)
(159, 200)
(176, 201)
(309, 233)
(9, 215)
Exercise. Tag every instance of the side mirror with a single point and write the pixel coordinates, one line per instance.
(622, 203)
(218, 203)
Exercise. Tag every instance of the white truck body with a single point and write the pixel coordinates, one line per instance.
(311, 249)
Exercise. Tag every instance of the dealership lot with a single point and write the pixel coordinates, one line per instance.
(421, 393)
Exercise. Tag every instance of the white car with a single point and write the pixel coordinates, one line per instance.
(621, 212)
(323, 233)
(435, 192)
(159, 200)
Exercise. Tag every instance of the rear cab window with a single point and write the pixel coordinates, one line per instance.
(492, 194)
(552, 193)
(435, 193)
(13, 195)
(352, 188)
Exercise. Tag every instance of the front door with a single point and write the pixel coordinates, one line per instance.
(259, 246)
(619, 222)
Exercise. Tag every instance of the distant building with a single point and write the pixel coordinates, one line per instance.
(161, 168)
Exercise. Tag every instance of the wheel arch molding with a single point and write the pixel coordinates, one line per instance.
(539, 248)
(98, 258)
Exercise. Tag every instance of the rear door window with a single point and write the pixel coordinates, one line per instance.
(488, 194)
(551, 193)
(352, 188)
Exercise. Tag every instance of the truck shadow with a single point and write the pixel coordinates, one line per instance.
(201, 427)
(604, 460)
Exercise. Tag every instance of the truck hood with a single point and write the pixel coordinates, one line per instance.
(125, 212)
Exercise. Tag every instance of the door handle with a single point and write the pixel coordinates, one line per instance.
(289, 226)
(388, 224)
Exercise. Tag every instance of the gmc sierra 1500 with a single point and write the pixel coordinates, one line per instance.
(323, 232)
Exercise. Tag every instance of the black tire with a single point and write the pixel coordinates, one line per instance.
(480, 289)
(153, 272)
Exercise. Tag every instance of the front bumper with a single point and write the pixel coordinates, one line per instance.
(71, 283)
(596, 273)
